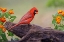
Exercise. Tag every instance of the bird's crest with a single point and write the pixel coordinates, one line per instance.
(32, 10)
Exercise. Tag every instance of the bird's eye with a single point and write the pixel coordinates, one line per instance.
(35, 12)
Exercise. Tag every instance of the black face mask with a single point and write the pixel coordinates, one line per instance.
(34, 12)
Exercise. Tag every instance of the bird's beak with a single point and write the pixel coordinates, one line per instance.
(36, 12)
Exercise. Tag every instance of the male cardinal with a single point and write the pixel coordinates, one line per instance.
(27, 18)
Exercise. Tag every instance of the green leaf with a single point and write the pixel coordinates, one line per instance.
(10, 33)
(1, 40)
(12, 18)
(53, 21)
(6, 15)
(0, 15)
(56, 27)
(61, 28)
(3, 35)
(0, 31)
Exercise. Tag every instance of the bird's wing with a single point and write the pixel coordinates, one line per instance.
(25, 17)
(27, 21)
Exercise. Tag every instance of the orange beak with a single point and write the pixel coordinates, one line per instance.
(36, 12)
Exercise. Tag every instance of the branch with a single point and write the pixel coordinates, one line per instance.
(35, 33)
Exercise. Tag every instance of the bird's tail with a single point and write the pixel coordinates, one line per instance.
(13, 26)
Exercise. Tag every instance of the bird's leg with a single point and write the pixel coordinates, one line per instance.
(29, 24)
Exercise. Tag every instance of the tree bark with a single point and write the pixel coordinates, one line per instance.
(35, 33)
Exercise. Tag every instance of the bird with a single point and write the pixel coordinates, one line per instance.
(27, 18)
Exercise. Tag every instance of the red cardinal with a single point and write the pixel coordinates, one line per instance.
(27, 18)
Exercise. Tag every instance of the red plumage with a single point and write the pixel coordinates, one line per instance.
(27, 18)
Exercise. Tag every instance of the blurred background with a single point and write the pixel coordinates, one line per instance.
(46, 9)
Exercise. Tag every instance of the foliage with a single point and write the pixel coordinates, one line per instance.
(5, 16)
(55, 3)
(58, 20)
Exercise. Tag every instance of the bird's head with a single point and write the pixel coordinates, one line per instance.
(34, 11)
